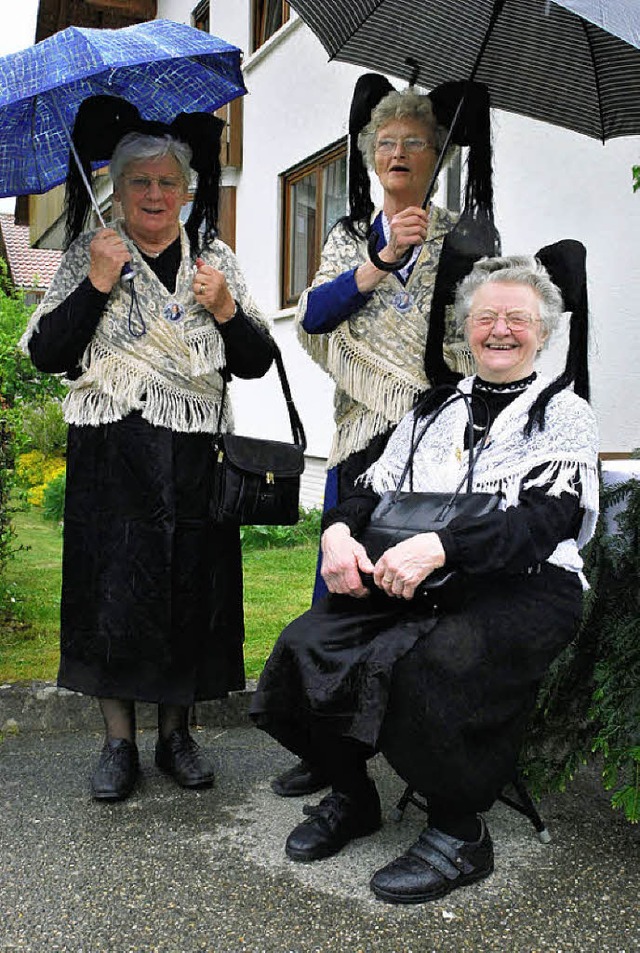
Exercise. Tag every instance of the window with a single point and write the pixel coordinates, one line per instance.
(454, 182)
(200, 16)
(315, 197)
(267, 17)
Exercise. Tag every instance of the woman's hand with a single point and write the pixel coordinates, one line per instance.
(211, 291)
(403, 567)
(408, 228)
(343, 558)
(108, 255)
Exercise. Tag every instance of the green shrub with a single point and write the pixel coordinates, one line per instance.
(7, 532)
(43, 426)
(53, 498)
(306, 530)
(591, 700)
(19, 380)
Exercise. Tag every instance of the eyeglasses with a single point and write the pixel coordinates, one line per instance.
(143, 183)
(411, 145)
(515, 319)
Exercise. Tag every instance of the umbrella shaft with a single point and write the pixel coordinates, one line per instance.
(74, 153)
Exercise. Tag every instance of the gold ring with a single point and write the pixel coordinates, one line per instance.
(201, 288)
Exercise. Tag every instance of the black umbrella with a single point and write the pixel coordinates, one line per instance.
(579, 70)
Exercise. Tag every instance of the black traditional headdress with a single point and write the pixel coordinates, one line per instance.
(101, 123)
(464, 108)
(566, 262)
(369, 90)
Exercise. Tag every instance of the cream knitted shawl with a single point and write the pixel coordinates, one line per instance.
(376, 358)
(171, 373)
(566, 448)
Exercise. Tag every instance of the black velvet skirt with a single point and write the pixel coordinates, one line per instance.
(152, 588)
(444, 695)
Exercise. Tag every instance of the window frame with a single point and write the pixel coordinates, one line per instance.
(317, 163)
(201, 16)
(259, 10)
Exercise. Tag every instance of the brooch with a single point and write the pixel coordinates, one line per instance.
(402, 301)
(173, 311)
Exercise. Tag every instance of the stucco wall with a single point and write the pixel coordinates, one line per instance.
(549, 184)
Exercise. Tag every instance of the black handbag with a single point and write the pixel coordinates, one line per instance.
(257, 482)
(401, 514)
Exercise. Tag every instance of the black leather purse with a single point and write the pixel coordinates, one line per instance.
(401, 514)
(255, 481)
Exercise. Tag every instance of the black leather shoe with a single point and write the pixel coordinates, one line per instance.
(179, 755)
(333, 823)
(117, 770)
(299, 780)
(434, 866)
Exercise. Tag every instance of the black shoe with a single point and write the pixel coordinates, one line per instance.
(117, 770)
(434, 866)
(333, 823)
(179, 755)
(299, 780)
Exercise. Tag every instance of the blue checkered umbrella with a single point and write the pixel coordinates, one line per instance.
(162, 67)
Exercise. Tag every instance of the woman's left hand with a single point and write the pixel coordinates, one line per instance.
(211, 291)
(403, 567)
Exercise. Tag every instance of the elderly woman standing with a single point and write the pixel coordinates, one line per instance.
(445, 693)
(375, 332)
(152, 589)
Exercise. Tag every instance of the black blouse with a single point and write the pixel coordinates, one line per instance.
(507, 540)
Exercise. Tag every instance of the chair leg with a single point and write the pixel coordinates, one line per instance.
(408, 797)
(525, 806)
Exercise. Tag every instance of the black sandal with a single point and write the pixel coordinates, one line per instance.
(434, 866)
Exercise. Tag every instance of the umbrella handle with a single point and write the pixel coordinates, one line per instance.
(372, 248)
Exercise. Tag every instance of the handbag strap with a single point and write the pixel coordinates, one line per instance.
(297, 430)
(474, 451)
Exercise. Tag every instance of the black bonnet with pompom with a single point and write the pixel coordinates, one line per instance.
(102, 121)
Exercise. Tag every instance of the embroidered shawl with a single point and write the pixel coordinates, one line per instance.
(567, 447)
(171, 373)
(376, 357)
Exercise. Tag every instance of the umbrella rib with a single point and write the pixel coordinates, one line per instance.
(371, 12)
(585, 29)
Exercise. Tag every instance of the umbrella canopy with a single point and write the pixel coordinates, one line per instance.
(572, 63)
(162, 67)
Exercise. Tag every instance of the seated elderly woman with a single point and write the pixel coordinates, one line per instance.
(445, 694)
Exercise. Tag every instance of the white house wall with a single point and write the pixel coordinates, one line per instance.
(549, 184)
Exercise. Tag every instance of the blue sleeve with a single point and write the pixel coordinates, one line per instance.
(331, 303)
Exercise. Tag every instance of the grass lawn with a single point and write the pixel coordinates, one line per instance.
(277, 587)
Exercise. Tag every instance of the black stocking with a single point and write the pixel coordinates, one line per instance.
(172, 718)
(119, 718)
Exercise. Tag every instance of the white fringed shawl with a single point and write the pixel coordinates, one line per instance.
(566, 448)
(376, 357)
(172, 372)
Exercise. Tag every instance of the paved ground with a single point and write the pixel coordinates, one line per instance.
(183, 872)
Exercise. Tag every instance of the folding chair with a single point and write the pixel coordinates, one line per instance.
(522, 803)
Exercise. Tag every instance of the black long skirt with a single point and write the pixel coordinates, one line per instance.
(152, 588)
(445, 697)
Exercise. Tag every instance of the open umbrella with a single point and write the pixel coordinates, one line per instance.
(572, 63)
(161, 67)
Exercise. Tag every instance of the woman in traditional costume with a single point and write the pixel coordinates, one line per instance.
(152, 588)
(445, 692)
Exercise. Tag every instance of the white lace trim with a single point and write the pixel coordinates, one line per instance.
(171, 372)
(568, 446)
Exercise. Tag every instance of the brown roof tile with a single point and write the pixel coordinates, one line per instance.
(28, 267)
